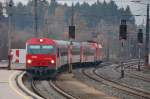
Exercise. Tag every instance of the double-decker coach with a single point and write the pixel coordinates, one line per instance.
(45, 56)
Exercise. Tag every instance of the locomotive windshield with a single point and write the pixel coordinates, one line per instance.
(41, 49)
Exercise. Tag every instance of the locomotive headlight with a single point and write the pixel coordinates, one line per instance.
(29, 61)
(52, 61)
(41, 40)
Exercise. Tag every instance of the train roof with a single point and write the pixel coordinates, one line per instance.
(61, 42)
(66, 43)
(51, 41)
(41, 41)
(94, 44)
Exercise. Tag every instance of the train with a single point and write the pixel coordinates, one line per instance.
(46, 56)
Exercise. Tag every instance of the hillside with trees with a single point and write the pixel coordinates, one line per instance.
(99, 21)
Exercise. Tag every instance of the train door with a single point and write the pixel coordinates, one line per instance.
(58, 58)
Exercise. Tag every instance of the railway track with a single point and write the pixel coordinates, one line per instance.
(101, 79)
(124, 87)
(61, 91)
(20, 84)
(42, 89)
(132, 65)
(37, 90)
(133, 75)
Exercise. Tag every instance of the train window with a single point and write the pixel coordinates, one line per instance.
(47, 47)
(34, 46)
(41, 49)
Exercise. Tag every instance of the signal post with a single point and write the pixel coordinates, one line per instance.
(140, 43)
(71, 38)
(147, 39)
(122, 38)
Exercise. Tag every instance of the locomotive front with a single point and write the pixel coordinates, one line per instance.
(41, 56)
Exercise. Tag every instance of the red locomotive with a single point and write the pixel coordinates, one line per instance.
(46, 55)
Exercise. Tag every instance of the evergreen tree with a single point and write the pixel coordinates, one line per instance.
(92, 14)
(19, 15)
(128, 15)
(113, 13)
(1, 9)
(1, 12)
(53, 6)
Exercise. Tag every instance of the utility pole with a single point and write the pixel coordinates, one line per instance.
(107, 50)
(72, 17)
(10, 5)
(71, 37)
(147, 38)
(108, 45)
(35, 23)
(46, 27)
(140, 43)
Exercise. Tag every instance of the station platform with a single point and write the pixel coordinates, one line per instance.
(8, 86)
(14, 66)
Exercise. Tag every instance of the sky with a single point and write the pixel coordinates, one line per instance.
(137, 9)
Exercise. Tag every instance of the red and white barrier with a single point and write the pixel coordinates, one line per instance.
(18, 55)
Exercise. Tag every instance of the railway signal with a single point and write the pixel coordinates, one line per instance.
(72, 32)
(140, 36)
(71, 37)
(123, 30)
(122, 38)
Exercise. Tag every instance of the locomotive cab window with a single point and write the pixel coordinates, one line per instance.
(41, 49)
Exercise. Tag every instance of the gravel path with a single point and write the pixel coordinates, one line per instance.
(80, 90)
